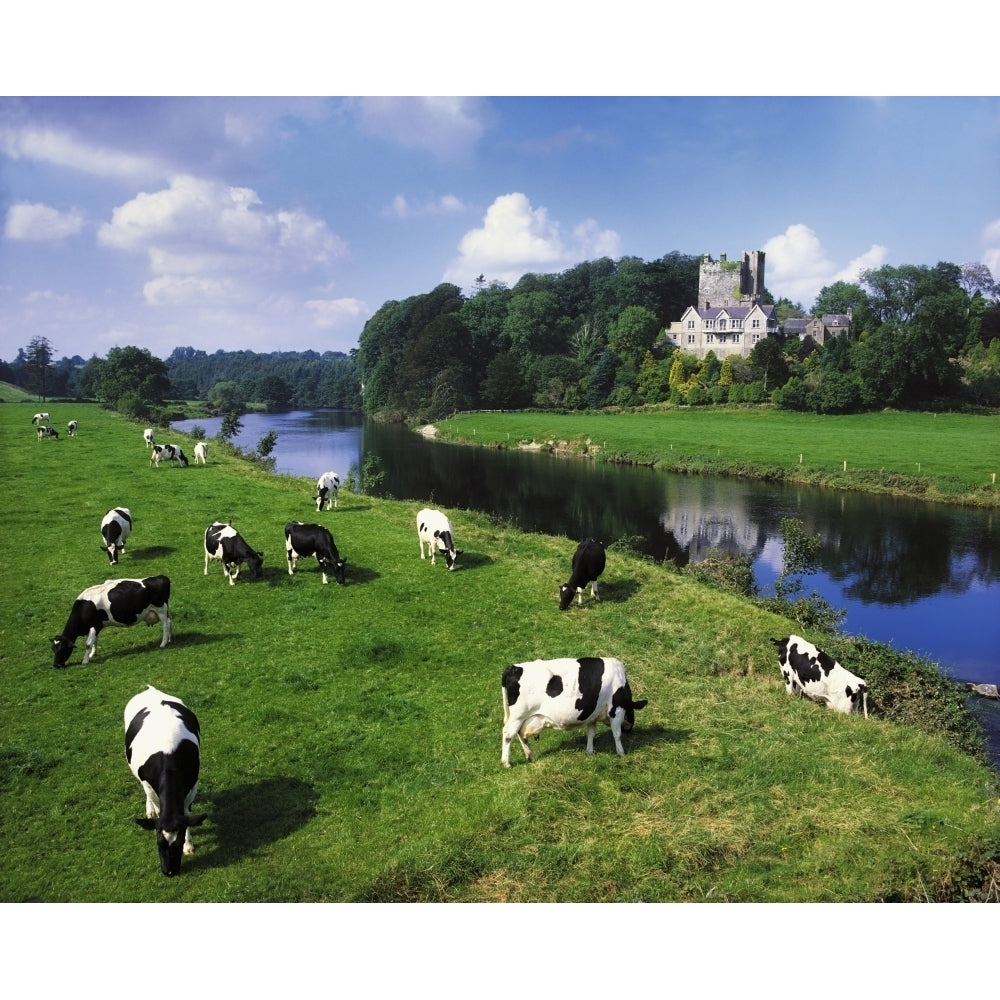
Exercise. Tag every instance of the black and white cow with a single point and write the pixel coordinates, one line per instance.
(167, 453)
(44, 431)
(114, 602)
(326, 490)
(163, 750)
(566, 694)
(434, 531)
(147, 436)
(115, 530)
(201, 453)
(223, 541)
(40, 418)
(303, 540)
(813, 674)
(71, 428)
(588, 565)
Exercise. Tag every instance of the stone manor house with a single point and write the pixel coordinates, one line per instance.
(730, 317)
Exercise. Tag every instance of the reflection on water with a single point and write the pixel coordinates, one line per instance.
(923, 577)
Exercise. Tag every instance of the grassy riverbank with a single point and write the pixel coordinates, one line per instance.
(351, 735)
(947, 457)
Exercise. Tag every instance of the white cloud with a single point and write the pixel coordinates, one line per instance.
(400, 208)
(63, 150)
(516, 238)
(448, 127)
(34, 222)
(207, 241)
(334, 312)
(797, 267)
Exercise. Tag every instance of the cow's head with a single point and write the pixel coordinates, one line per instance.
(566, 593)
(859, 697)
(447, 545)
(335, 568)
(255, 564)
(170, 839)
(63, 648)
(622, 701)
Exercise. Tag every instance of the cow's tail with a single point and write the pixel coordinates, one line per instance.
(506, 704)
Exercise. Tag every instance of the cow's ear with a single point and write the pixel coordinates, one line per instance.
(146, 822)
(197, 819)
(636, 705)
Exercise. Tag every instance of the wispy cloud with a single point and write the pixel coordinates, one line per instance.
(447, 127)
(401, 208)
(38, 223)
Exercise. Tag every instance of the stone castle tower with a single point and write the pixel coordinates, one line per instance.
(731, 282)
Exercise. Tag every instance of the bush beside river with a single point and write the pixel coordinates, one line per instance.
(351, 735)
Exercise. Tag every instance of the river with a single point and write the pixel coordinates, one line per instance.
(917, 576)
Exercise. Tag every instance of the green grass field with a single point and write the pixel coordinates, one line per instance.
(946, 456)
(351, 735)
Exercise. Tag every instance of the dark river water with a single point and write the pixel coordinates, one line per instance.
(917, 576)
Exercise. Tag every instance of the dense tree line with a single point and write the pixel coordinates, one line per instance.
(594, 336)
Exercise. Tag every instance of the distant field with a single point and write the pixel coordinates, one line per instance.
(12, 394)
(939, 456)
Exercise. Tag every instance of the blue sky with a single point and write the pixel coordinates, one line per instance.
(266, 223)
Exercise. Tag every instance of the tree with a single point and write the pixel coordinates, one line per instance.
(840, 297)
(768, 363)
(977, 278)
(634, 332)
(37, 359)
(130, 372)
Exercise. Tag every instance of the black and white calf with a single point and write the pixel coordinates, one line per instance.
(326, 490)
(201, 453)
(40, 418)
(114, 602)
(566, 694)
(44, 431)
(163, 750)
(588, 565)
(223, 541)
(71, 428)
(811, 673)
(167, 453)
(147, 436)
(303, 540)
(434, 531)
(115, 530)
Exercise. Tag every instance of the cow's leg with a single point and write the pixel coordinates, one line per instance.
(579, 596)
(509, 732)
(323, 574)
(616, 732)
(188, 844)
(90, 651)
(291, 564)
(152, 801)
(206, 563)
(591, 732)
(593, 591)
(168, 628)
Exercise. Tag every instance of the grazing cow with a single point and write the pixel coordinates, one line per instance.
(813, 674)
(302, 540)
(163, 750)
(40, 418)
(71, 428)
(115, 530)
(201, 452)
(44, 431)
(114, 602)
(566, 694)
(223, 541)
(588, 565)
(167, 453)
(434, 531)
(326, 490)
(147, 436)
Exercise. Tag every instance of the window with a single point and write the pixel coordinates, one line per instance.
(709, 338)
(691, 338)
(756, 324)
(722, 324)
(690, 324)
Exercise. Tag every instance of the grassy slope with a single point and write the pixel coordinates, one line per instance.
(946, 456)
(352, 735)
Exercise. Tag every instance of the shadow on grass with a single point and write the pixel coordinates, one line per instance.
(150, 552)
(245, 819)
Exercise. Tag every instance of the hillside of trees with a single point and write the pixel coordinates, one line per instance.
(589, 337)
(593, 336)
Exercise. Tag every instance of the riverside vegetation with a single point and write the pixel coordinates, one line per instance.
(351, 735)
